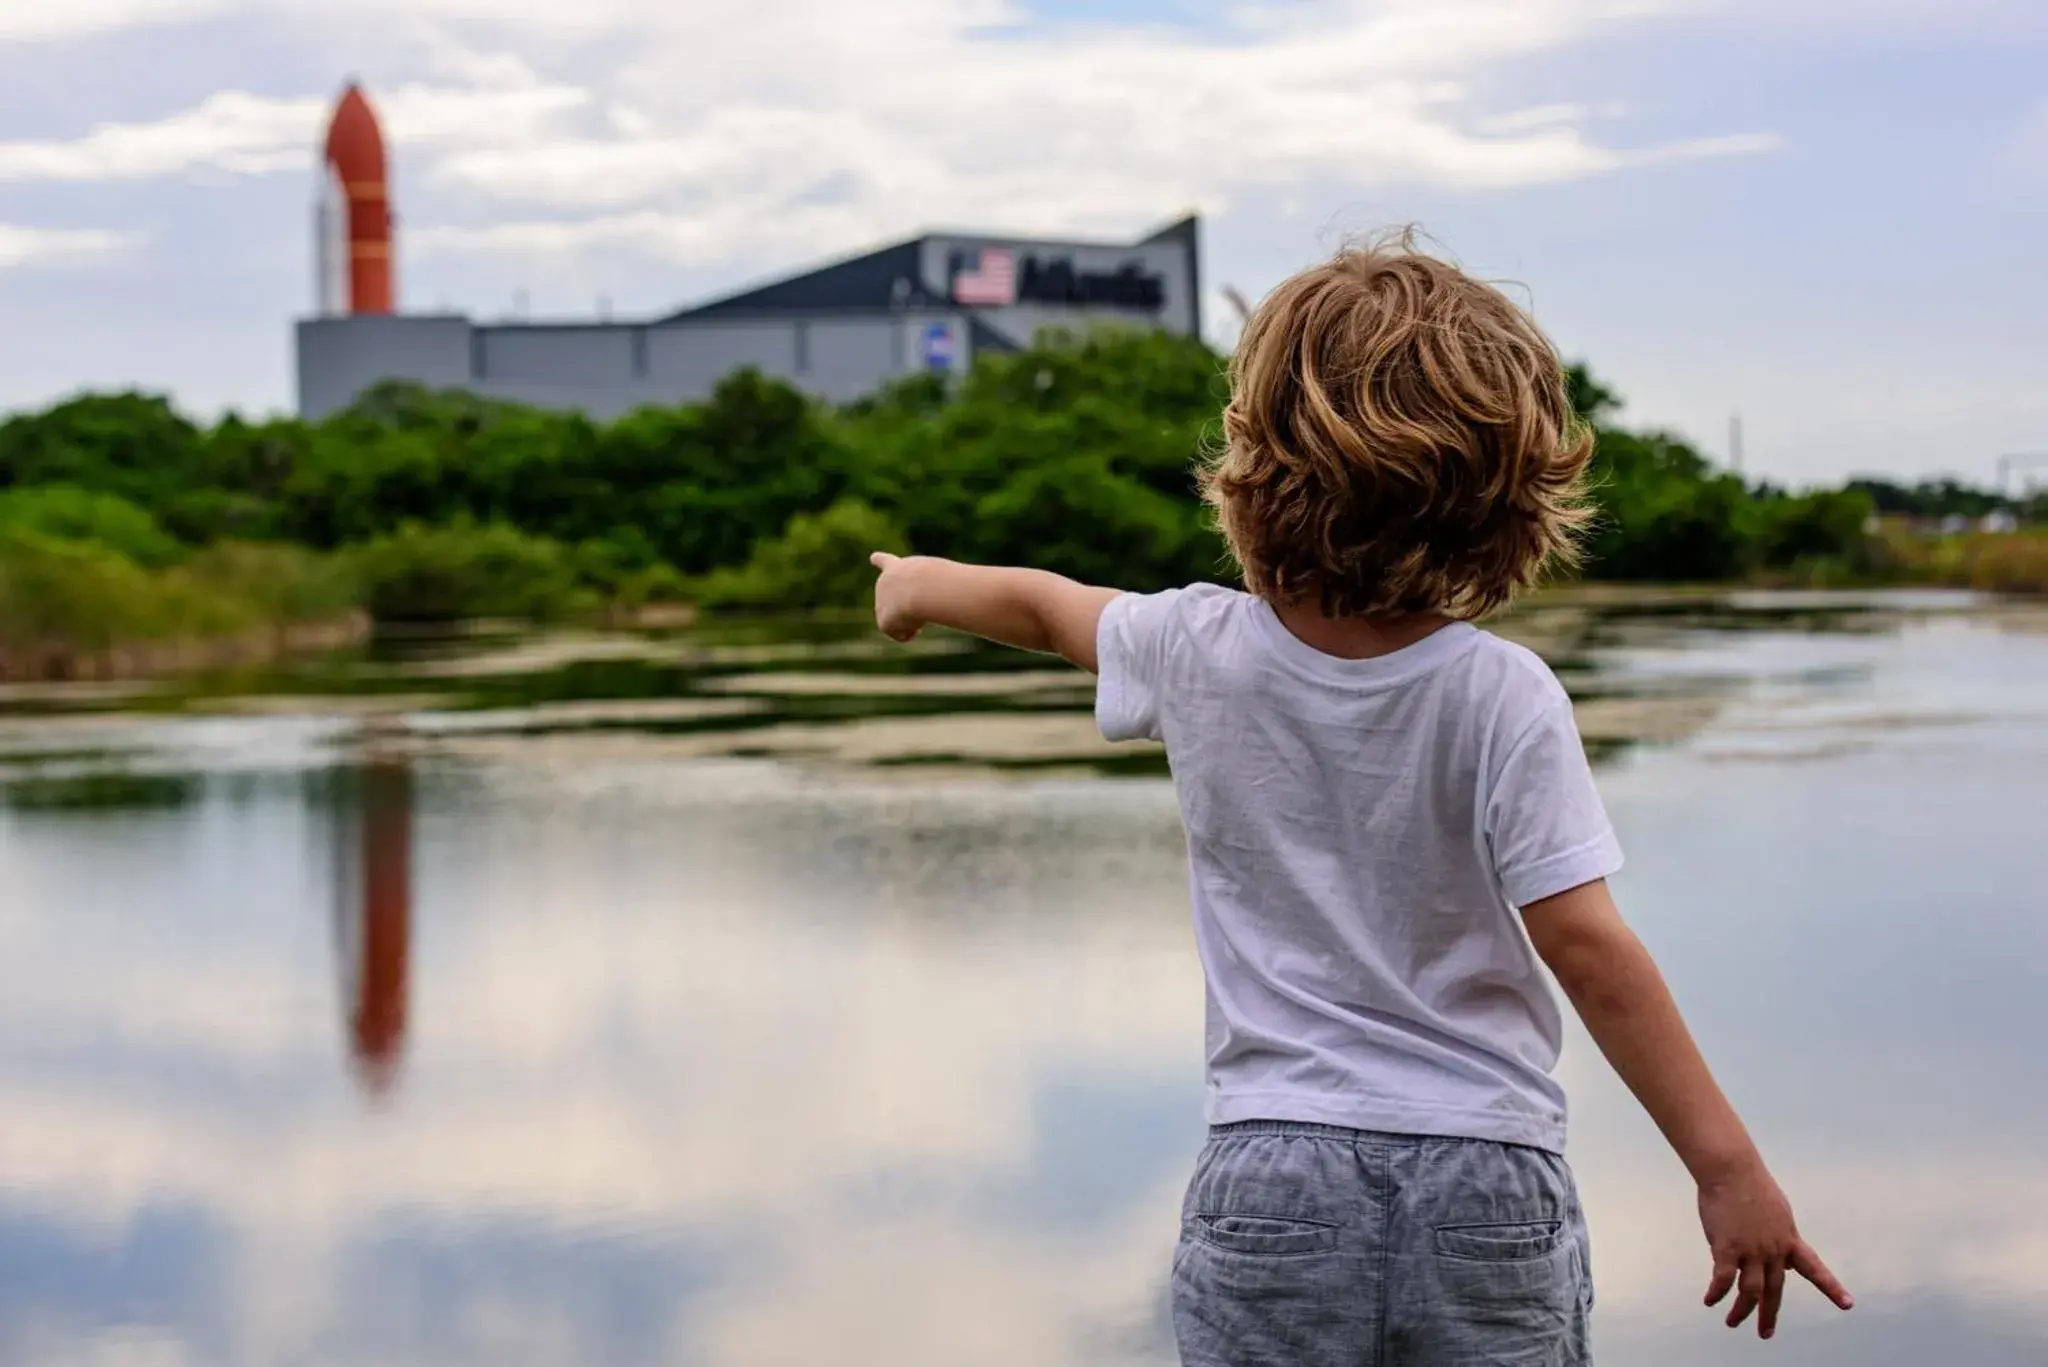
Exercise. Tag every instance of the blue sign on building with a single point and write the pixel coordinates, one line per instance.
(940, 348)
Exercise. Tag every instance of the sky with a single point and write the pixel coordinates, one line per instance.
(1826, 215)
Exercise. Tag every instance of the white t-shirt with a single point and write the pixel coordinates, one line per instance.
(1360, 834)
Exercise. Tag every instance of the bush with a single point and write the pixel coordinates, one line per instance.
(69, 513)
(607, 563)
(465, 570)
(1829, 524)
(283, 583)
(1075, 518)
(85, 597)
(819, 561)
(199, 517)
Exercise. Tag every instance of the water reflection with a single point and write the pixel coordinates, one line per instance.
(373, 914)
(736, 1063)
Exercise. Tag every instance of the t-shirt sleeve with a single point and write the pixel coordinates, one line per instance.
(1130, 652)
(1545, 823)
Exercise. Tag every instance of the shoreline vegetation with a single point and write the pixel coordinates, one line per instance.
(135, 542)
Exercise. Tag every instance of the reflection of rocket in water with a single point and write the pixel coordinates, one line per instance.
(374, 921)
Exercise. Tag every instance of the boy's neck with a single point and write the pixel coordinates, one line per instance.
(1356, 638)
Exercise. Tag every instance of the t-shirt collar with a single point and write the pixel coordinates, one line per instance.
(1444, 644)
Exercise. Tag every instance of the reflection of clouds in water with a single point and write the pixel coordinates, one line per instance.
(1959, 1222)
(639, 1039)
(167, 1266)
(1856, 944)
(1096, 1143)
(709, 1067)
(512, 1289)
(938, 1290)
(1913, 1331)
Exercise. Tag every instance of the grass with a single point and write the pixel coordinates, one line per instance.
(2012, 562)
(68, 608)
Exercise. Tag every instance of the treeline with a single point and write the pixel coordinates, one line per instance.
(117, 511)
(1939, 499)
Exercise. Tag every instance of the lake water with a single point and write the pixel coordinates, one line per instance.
(739, 999)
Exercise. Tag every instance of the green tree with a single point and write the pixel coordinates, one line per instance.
(133, 445)
(465, 570)
(1590, 399)
(820, 560)
(1664, 514)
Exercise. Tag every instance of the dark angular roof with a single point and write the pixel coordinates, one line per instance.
(859, 283)
(873, 281)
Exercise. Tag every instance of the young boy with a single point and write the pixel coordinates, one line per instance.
(1390, 821)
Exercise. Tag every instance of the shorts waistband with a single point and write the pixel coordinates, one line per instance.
(1343, 1134)
(1305, 1129)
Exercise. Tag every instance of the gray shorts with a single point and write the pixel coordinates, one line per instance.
(1310, 1245)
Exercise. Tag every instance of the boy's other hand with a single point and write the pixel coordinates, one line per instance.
(893, 612)
(1749, 1227)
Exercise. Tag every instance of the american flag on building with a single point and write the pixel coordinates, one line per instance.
(991, 283)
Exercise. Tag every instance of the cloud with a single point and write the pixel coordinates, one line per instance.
(73, 19)
(78, 18)
(725, 140)
(509, 111)
(228, 131)
(21, 246)
(1539, 116)
(1410, 29)
(240, 133)
(1727, 145)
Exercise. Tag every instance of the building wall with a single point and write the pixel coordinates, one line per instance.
(576, 356)
(839, 332)
(689, 359)
(338, 358)
(608, 369)
(1171, 259)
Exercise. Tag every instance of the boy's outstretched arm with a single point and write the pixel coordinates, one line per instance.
(1029, 609)
(1618, 992)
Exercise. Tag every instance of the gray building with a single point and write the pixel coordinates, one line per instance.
(839, 332)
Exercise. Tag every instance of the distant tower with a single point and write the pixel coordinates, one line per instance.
(352, 221)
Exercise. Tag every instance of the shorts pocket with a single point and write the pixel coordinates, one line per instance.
(1502, 1243)
(1271, 1236)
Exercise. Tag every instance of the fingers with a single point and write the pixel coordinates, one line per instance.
(1807, 1264)
(882, 560)
(1774, 1292)
(1748, 1292)
(1759, 1286)
(1723, 1279)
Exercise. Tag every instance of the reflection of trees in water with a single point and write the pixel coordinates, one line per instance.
(99, 791)
(373, 915)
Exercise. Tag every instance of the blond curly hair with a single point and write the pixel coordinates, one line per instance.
(1398, 440)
